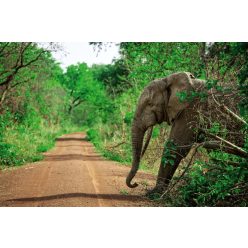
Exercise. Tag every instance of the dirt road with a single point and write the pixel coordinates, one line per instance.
(72, 174)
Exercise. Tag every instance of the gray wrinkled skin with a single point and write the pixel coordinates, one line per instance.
(159, 102)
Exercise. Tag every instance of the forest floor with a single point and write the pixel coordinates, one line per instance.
(72, 174)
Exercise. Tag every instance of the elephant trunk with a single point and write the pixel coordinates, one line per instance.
(137, 142)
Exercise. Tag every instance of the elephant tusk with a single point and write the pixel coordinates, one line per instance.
(148, 137)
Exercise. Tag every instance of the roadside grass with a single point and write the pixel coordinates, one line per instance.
(123, 192)
(21, 144)
(121, 154)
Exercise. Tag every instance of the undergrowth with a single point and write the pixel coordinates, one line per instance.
(20, 144)
(112, 147)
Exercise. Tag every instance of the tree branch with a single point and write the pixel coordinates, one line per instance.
(2, 49)
(78, 103)
(17, 68)
(207, 145)
(2, 98)
(235, 150)
(114, 146)
(230, 112)
(235, 164)
(183, 173)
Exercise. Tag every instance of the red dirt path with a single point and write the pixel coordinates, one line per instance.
(72, 174)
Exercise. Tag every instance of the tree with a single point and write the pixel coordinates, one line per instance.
(209, 178)
(77, 80)
(113, 76)
(82, 87)
(18, 64)
(147, 61)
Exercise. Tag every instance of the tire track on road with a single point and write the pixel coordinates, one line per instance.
(72, 174)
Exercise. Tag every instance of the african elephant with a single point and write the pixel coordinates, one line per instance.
(162, 101)
(159, 103)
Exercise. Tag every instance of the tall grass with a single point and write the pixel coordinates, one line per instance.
(21, 144)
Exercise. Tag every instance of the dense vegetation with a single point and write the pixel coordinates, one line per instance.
(204, 178)
(38, 102)
(32, 102)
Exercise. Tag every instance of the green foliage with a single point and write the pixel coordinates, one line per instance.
(216, 184)
(9, 155)
(215, 128)
(33, 109)
(191, 96)
(123, 192)
(128, 117)
(93, 136)
(169, 153)
(155, 132)
(87, 99)
(212, 180)
(24, 142)
(112, 76)
(38, 102)
(147, 61)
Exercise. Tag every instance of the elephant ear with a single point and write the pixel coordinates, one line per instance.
(179, 85)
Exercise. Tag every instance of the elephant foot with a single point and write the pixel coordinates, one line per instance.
(155, 193)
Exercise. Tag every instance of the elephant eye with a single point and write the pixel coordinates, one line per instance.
(149, 103)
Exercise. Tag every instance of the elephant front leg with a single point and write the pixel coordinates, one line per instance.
(181, 139)
(165, 174)
(172, 156)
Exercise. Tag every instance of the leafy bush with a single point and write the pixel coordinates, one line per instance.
(9, 155)
(103, 98)
(217, 178)
(32, 114)
(216, 185)
(93, 136)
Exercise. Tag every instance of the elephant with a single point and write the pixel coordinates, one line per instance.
(160, 102)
